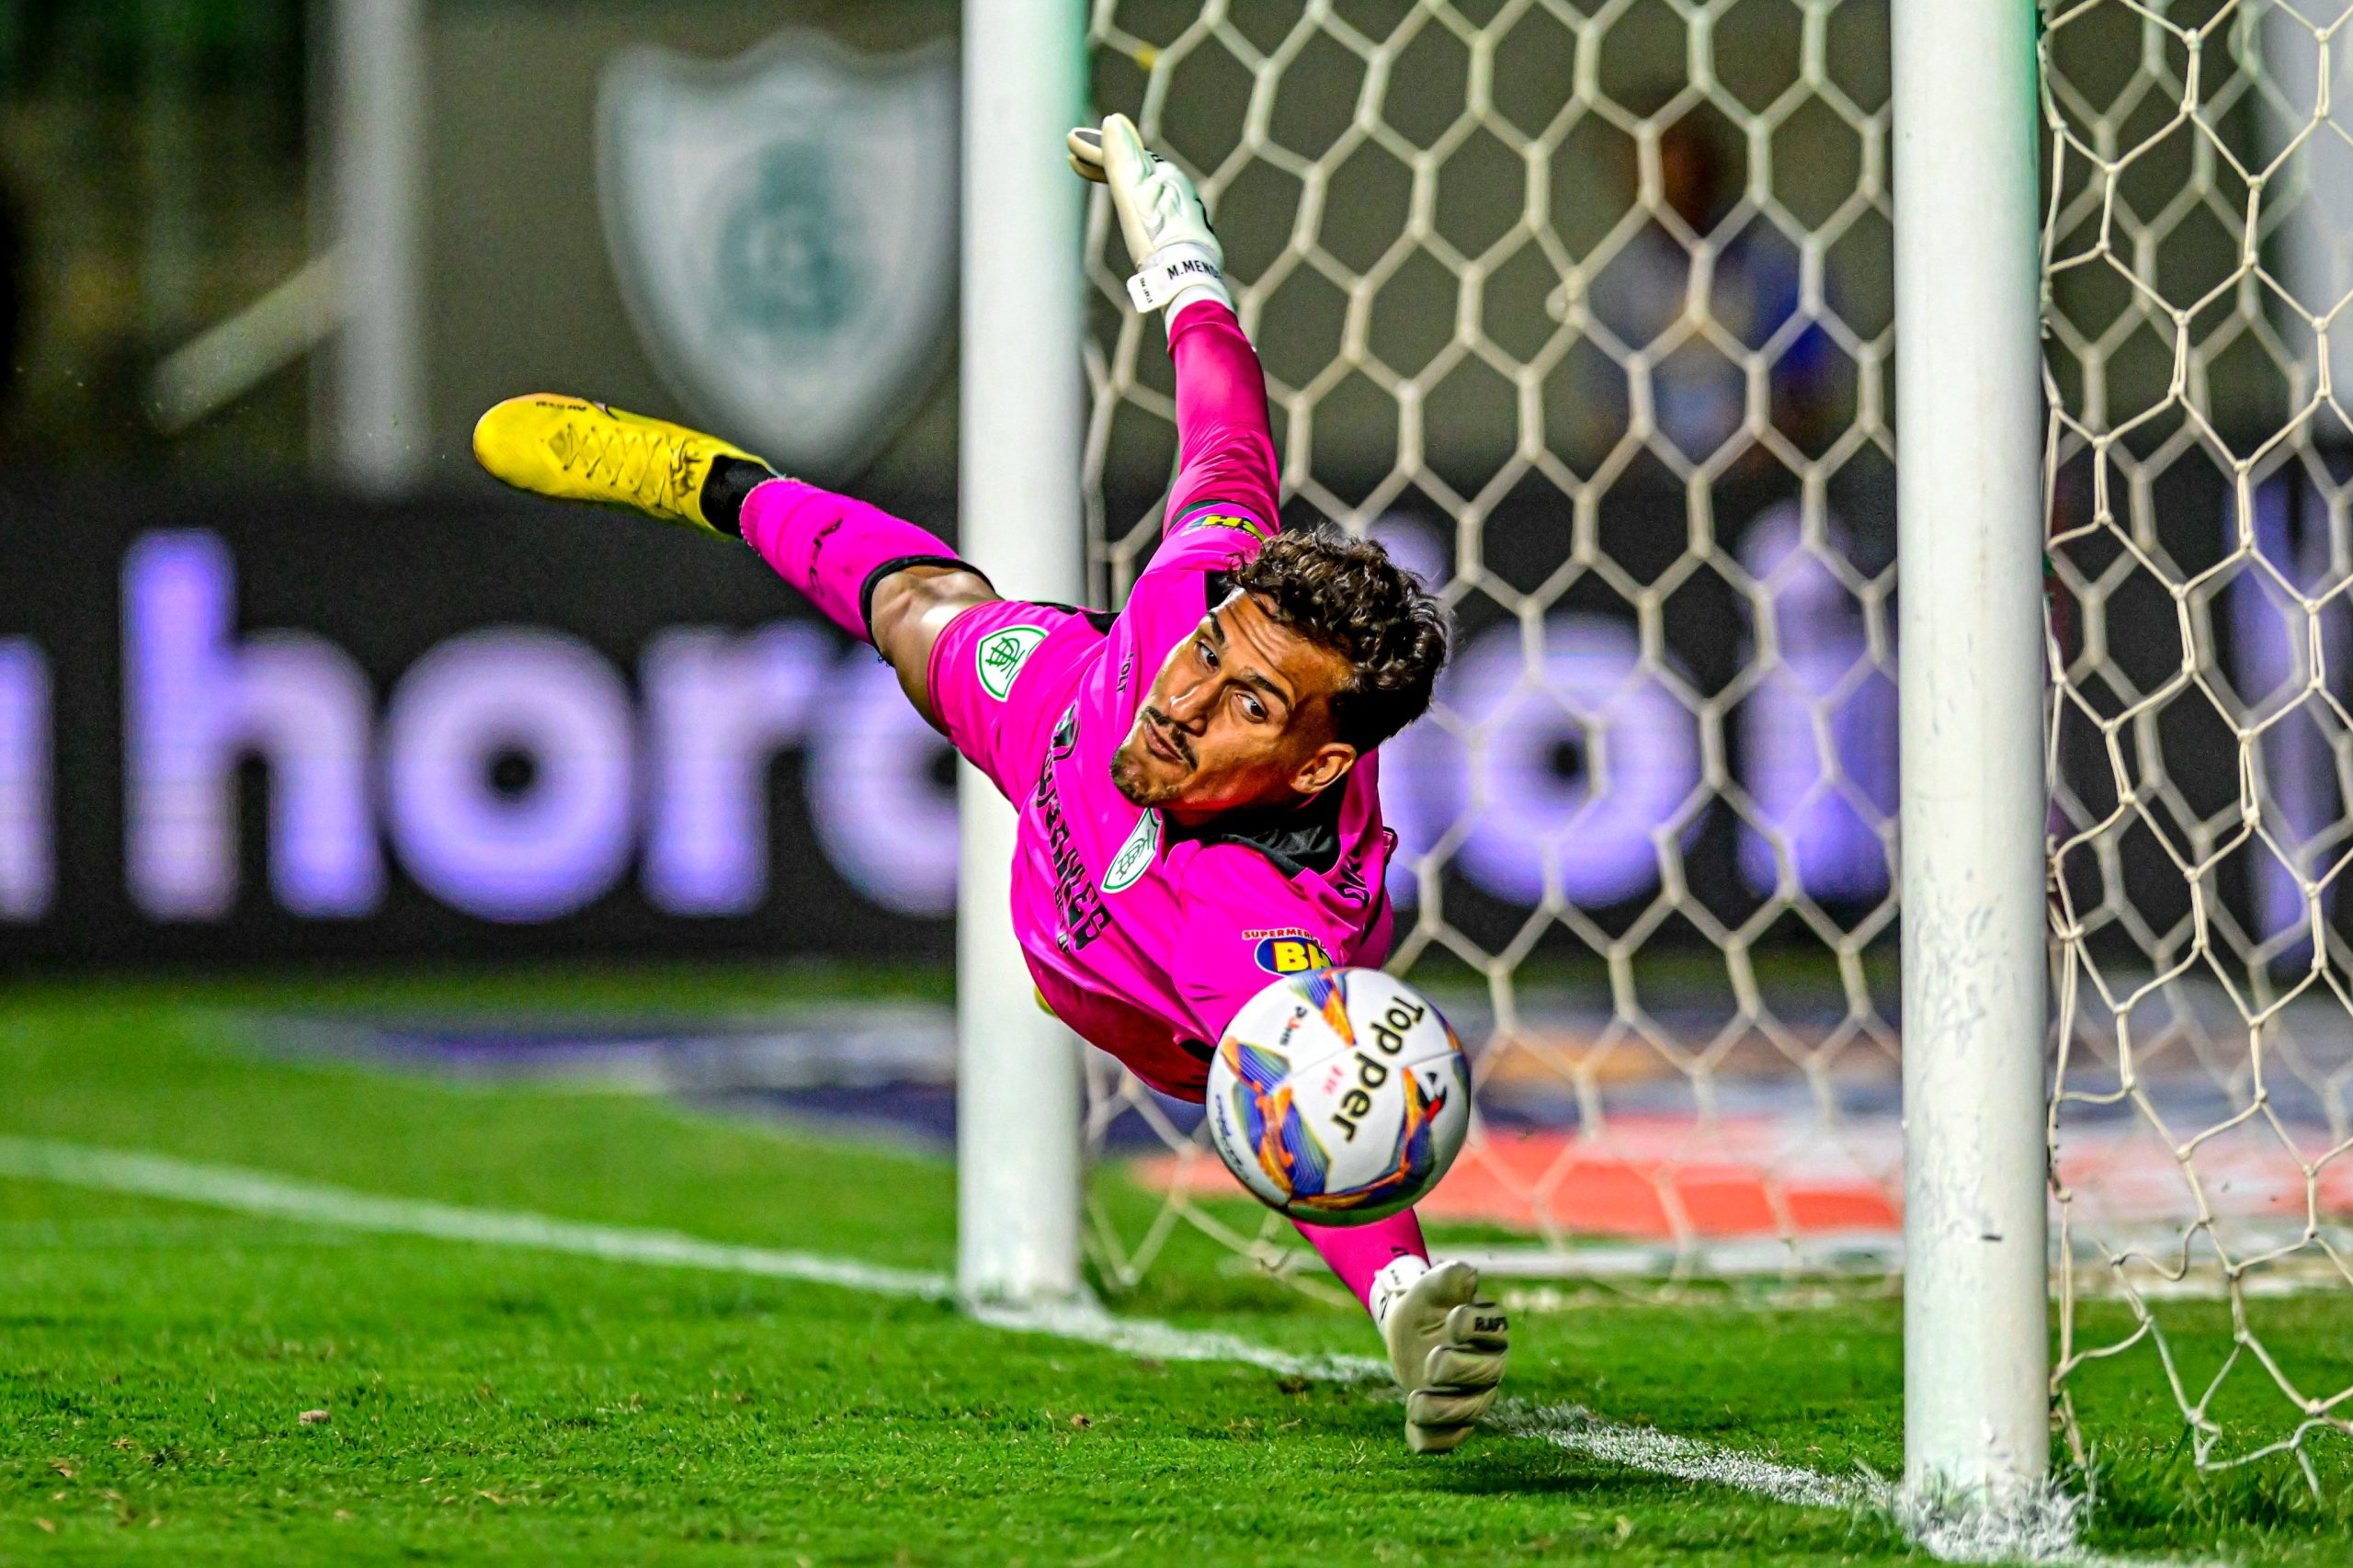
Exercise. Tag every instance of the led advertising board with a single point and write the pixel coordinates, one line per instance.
(290, 726)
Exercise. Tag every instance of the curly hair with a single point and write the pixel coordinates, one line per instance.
(1347, 595)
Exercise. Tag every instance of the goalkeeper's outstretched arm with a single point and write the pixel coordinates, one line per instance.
(1225, 450)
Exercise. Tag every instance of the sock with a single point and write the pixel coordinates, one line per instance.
(726, 487)
(1396, 1277)
(835, 550)
(1361, 1255)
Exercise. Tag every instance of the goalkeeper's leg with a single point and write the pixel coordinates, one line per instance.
(1447, 1346)
(883, 580)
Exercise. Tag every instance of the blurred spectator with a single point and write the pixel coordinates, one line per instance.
(1699, 387)
(15, 324)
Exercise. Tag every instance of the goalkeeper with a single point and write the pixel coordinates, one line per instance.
(1195, 776)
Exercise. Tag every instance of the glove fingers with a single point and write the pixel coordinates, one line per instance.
(1125, 159)
(1462, 1371)
(1127, 169)
(1435, 1439)
(1448, 1285)
(1453, 1368)
(1446, 1407)
(1482, 1325)
(1085, 148)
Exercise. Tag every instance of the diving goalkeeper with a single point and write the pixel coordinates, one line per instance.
(1195, 774)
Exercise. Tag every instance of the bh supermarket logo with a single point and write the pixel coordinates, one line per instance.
(784, 229)
(1287, 951)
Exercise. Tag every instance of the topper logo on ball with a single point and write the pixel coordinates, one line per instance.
(1389, 1036)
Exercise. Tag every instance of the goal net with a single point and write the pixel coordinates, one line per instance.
(1583, 309)
(2199, 251)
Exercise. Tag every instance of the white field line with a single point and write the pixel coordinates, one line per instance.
(1563, 1427)
(1642, 1448)
(256, 1192)
(1085, 1319)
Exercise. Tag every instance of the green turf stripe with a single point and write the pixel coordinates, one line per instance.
(1569, 1427)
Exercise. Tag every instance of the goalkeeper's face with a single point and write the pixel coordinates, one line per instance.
(1239, 717)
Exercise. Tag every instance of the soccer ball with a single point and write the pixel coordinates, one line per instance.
(1338, 1097)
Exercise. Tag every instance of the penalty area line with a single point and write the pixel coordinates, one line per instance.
(1572, 1428)
(258, 1192)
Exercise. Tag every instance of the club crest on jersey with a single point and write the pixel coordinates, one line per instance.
(783, 228)
(1228, 520)
(1135, 855)
(1000, 656)
(1288, 950)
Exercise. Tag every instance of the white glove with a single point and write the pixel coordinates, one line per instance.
(1447, 1346)
(1176, 254)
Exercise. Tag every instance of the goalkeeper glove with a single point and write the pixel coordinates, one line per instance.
(1176, 254)
(1447, 1346)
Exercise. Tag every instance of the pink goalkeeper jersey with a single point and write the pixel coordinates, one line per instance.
(1144, 937)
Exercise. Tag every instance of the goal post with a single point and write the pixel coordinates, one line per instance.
(1596, 312)
(1022, 418)
(1969, 544)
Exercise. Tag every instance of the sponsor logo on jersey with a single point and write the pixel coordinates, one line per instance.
(1065, 739)
(1135, 855)
(1286, 951)
(1000, 656)
(1233, 521)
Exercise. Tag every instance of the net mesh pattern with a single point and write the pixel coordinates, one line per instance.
(2198, 232)
(1582, 307)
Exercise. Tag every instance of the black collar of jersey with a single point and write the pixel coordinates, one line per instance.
(1295, 838)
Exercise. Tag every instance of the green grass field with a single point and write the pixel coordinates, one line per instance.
(157, 1358)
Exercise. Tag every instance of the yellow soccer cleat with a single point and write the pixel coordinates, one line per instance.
(571, 449)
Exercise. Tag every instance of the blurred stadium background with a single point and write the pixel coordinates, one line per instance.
(312, 740)
(297, 685)
(265, 284)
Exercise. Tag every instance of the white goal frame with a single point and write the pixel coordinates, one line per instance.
(1969, 521)
(1019, 1172)
(1971, 727)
